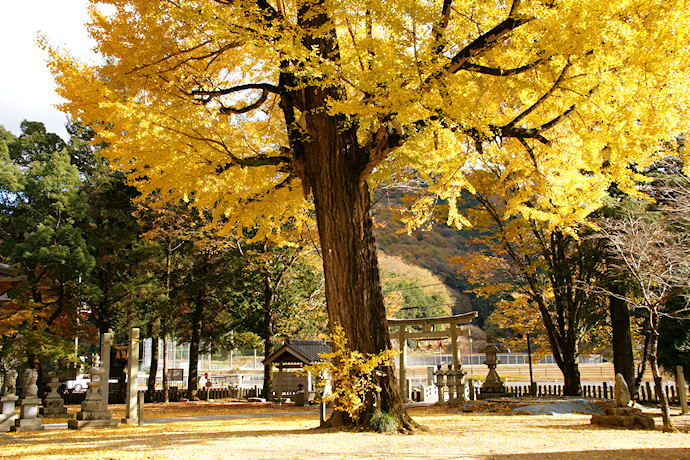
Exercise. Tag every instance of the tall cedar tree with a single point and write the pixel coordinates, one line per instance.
(41, 209)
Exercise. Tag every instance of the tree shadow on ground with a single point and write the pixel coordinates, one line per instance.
(627, 454)
(83, 442)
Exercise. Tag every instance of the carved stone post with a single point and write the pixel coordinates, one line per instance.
(106, 344)
(28, 406)
(8, 399)
(92, 414)
(53, 404)
(132, 377)
(440, 384)
(493, 385)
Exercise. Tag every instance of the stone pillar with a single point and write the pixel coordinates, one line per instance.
(402, 339)
(440, 384)
(92, 414)
(680, 388)
(131, 417)
(28, 406)
(450, 383)
(8, 399)
(280, 384)
(106, 343)
(430, 375)
(53, 405)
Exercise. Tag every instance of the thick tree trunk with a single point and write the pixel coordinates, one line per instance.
(193, 379)
(353, 288)
(654, 365)
(153, 368)
(564, 351)
(623, 360)
(166, 394)
(571, 376)
(333, 167)
(268, 372)
(268, 336)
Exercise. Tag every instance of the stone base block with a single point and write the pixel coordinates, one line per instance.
(87, 424)
(491, 395)
(102, 415)
(8, 419)
(626, 417)
(130, 421)
(54, 414)
(22, 425)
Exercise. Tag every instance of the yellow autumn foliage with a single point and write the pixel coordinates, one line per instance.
(569, 96)
(351, 374)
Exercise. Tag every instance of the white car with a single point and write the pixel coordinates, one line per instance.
(81, 383)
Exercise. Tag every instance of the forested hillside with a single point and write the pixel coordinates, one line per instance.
(431, 247)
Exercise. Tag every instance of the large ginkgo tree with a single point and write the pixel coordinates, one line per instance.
(261, 109)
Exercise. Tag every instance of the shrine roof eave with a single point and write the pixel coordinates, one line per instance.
(290, 353)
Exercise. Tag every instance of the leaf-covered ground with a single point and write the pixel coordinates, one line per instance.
(451, 434)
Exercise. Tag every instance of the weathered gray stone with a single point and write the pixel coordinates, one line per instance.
(8, 401)
(93, 413)
(9, 387)
(493, 386)
(53, 404)
(626, 417)
(28, 406)
(621, 391)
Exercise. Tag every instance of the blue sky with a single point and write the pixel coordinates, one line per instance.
(27, 90)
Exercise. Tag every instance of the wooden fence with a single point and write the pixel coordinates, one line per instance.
(604, 390)
(174, 395)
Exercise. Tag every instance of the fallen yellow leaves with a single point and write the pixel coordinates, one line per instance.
(451, 434)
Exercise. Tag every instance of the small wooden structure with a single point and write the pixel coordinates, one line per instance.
(294, 354)
(9, 278)
(430, 330)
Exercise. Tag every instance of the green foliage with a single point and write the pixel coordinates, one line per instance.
(41, 212)
(352, 374)
(383, 422)
(674, 338)
(431, 248)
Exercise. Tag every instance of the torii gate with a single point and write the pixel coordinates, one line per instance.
(429, 331)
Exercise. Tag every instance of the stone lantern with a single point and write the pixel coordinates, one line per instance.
(493, 386)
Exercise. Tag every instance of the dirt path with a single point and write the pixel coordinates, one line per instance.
(451, 434)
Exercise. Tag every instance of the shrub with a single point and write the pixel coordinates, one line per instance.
(383, 422)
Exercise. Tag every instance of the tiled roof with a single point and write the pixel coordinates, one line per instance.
(299, 351)
(9, 277)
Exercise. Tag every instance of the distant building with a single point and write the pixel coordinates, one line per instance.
(9, 278)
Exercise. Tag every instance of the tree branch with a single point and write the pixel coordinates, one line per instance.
(440, 27)
(497, 71)
(264, 87)
(483, 43)
(255, 161)
(531, 108)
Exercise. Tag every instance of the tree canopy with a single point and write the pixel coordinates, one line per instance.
(569, 93)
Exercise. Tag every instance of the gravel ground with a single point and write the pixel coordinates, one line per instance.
(451, 434)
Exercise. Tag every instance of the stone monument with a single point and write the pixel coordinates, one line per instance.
(622, 414)
(453, 378)
(93, 413)
(53, 404)
(493, 385)
(28, 406)
(131, 409)
(8, 398)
